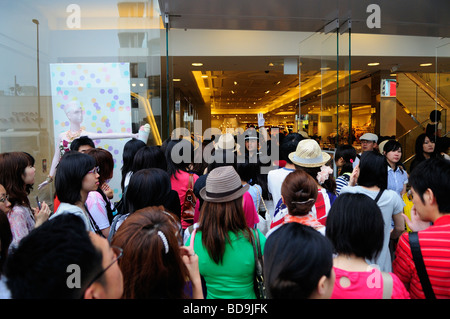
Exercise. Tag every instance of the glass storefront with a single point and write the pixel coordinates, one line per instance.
(104, 56)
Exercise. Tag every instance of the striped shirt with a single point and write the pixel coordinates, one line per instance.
(435, 246)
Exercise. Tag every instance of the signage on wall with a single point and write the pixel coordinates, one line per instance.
(388, 88)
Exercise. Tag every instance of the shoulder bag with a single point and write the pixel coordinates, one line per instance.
(260, 289)
(420, 266)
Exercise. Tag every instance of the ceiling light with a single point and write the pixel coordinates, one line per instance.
(197, 64)
(278, 82)
(373, 64)
(204, 76)
(426, 64)
(133, 84)
(141, 84)
(235, 83)
(176, 80)
(267, 91)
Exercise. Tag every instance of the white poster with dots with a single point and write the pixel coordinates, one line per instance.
(103, 92)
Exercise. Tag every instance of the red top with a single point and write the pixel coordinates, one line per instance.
(435, 246)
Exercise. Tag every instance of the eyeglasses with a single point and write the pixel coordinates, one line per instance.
(118, 252)
(4, 199)
(95, 170)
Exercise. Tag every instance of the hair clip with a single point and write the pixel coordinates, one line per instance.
(351, 161)
(305, 202)
(164, 240)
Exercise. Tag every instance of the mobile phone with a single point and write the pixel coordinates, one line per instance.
(38, 203)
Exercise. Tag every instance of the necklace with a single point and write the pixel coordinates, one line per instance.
(71, 136)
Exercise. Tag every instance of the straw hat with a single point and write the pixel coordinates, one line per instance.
(309, 154)
(223, 184)
(227, 142)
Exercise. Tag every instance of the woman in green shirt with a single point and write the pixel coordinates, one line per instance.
(223, 240)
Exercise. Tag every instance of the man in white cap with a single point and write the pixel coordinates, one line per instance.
(368, 143)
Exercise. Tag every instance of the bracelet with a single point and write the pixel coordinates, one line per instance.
(49, 179)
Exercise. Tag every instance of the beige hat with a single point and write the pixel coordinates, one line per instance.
(227, 142)
(369, 137)
(309, 154)
(381, 146)
(223, 184)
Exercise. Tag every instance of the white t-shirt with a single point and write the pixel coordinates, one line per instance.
(274, 180)
(390, 204)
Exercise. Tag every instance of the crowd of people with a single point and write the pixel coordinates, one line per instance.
(188, 230)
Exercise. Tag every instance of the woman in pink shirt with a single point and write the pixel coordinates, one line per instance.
(180, 156)
(355, 227)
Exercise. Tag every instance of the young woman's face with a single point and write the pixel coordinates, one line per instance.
(5, 204)
(428, 145)
(394, 156)
(90, 180)
(28, 175)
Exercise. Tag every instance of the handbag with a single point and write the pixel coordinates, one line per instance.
(420, 266)
(188, 208)
(259, 286)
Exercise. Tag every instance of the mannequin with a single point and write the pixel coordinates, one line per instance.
(74, 114)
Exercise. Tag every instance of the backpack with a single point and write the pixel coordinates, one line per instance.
(188, 207)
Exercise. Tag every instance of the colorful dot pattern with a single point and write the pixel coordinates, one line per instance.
(103, 91)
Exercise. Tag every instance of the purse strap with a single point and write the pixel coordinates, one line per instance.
(379, 195)
(262, 200)
(420, 265)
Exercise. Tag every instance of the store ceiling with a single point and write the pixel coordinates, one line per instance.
(240, 85)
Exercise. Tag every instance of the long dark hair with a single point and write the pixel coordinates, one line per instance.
(159, 274)
(147, 187)
(129, 150)
(216, 220)
(184, 151)
(12, 168)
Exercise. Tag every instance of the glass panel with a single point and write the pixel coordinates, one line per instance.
(443, 85)
(103, 55)
(318, 60)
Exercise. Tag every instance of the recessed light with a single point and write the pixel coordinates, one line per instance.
(373, 64)
(197, 64)
(426, 64)
(267, 91)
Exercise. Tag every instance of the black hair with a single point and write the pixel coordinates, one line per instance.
(392, 146)
(419, 157)
(149, 157)
(6, 238)
(82, 140)
(435, 116)
(129, 151)
(147, 187)
(433, 173)
(355, 226)
(289, 145)
(247, 172)
(348, 154)
(70, 172)
(221, 157)
(38, 267)
(179, 156)
(295, 258)
(372, 170)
